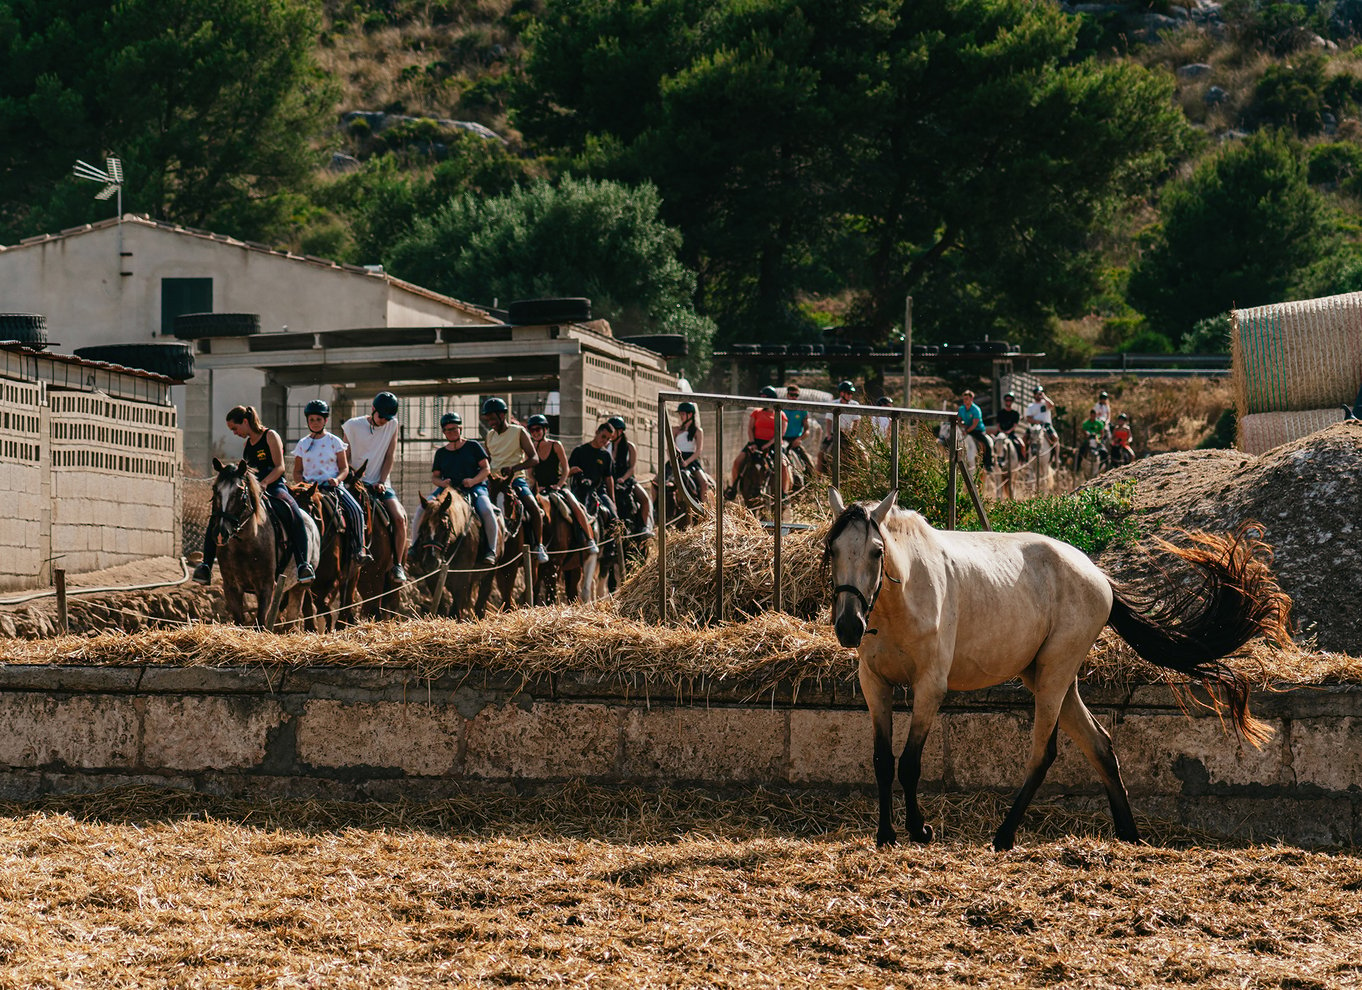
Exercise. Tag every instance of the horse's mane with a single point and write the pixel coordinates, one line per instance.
(898, 521)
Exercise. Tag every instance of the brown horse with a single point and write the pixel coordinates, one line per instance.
(338, 571)
(253, 558)
(515, 529)
(567, 551)
(448, 545)
(377, 590)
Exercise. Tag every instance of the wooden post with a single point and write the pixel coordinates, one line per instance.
(59, 578)
(527, 559)
(907, 352)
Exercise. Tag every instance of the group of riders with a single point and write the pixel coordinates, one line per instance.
(1111, 440)
(601, 471)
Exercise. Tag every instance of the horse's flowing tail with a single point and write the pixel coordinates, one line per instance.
(1194, 627)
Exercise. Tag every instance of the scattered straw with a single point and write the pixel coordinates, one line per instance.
(585, 886)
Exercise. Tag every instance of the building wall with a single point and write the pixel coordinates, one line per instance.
(23, 541)
(89, 481)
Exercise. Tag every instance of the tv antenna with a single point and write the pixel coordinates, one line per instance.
(111, 176)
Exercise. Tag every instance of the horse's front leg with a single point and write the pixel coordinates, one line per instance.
(879, 698)
(927, 699)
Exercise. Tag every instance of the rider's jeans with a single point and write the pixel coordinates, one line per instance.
(985, 447)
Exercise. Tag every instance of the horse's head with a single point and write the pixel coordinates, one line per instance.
(438, 528)
(237, 497)
(854, 552)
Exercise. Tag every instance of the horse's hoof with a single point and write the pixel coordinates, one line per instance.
(886, 838)
(923, 834)
(1002, 843)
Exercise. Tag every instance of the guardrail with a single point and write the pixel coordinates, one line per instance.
(717, 402)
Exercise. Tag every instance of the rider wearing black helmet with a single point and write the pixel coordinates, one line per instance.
(320, 458)
(462, 465)
(511, 451)
(551, 473)
(373, 446)
(1102, 407)
(1008, 418)
(624, 456)
(1041, 410)
(762, 435)
(689, 440)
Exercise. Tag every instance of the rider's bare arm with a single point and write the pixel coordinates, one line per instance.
(388, 459)
(484, 472)
(297, 470)
(276, 447)
(531, 455)
(560, 453)
(342, 466)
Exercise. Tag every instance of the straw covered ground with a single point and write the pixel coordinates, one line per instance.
(580, 886)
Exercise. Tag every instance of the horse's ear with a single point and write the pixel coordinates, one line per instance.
(358, 472)
(881, 511)
(835, 500)
(242, 467)
(218, 466)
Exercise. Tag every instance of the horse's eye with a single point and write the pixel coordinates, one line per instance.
(877, 553)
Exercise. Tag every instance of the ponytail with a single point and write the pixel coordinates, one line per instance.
(247, 415)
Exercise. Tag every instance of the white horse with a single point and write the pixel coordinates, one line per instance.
(1042, 459)
(969, 446)
(1007, 465)
(927, 594)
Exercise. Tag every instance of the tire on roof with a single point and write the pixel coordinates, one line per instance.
(568, 310)
(195, 326)
(25, 328)
(173, 360)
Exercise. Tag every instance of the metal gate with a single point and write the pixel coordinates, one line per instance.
(717, 402)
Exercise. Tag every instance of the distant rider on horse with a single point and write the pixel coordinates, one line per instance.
(971, 420)
(373, 443)
(319, 458)
(551, 473)
(462, 465)
(1122, 441)
(761, 437)
(264, 453)
(625, 457)
(510, 451)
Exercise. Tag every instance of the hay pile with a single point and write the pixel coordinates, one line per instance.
(1305, 493)
(748, 573)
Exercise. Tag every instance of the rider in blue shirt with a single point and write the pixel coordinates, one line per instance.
(796, 425)
(972, 422)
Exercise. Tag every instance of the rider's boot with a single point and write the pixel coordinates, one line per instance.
(590, 547)
(489, 557)
(399, 573)
(362, 553)
(540, 554)
(203, 574)
(730, 493)
(306, 575)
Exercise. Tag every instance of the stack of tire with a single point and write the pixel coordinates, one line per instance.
(172, 359)
(1295, 366)
(29, 329)
(533, 312)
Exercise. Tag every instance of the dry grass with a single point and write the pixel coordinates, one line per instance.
(583, 886)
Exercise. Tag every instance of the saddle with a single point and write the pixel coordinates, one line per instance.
(283, 549)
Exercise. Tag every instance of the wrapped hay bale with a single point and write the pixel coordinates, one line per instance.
(749, 552)
(1297, 356)
(1260, 432)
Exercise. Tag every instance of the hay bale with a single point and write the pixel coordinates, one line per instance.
(1261, 432)
(1297, 356)
(749, 553)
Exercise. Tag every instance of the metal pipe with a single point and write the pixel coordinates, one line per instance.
(720, 467)
(950, 479)
(778, 484)
(893, 452)
(662, 527)
(836, 449)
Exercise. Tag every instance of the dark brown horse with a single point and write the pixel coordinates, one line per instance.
(378, 592)
(338, 570)
(515, 528)
(253, 558)
(568, 558)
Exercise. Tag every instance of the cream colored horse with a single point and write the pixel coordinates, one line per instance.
(915, 601)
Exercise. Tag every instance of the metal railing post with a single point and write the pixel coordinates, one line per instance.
(662, 528)
(720, 469)
(894, 452)
(778, 484)
(950, 479)
(836, 449)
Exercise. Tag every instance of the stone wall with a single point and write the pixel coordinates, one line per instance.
(23, 478)
(375, 734)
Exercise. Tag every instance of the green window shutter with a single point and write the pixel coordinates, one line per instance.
(184, 295)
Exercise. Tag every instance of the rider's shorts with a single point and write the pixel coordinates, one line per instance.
(385, 494)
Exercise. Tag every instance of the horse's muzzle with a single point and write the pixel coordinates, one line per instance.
(850, 626)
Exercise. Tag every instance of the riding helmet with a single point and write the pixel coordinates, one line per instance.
(686, 407)
(1103, 395)
(385, 404)
(451, 419)
(494, 405)
(1123, 416)
(1009, 395)
(846, 387)
(1038, 390)
(769, 392)
(538, 419)
(317, 407)
(616, 423)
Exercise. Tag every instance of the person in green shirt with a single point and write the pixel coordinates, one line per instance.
(1094, 429)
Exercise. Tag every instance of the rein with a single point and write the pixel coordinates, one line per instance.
(237, 524)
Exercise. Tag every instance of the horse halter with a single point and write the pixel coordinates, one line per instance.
(866, 603)
(237, 524)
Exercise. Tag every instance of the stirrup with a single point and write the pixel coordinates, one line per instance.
(203, 574)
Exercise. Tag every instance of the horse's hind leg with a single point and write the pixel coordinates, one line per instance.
(1079, 725)
(1044, 746)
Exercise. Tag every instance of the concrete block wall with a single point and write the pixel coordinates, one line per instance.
(115, 478)
(383, 734)
(22, 524)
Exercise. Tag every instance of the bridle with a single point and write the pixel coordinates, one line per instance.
(237, 523)
(866, 603)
